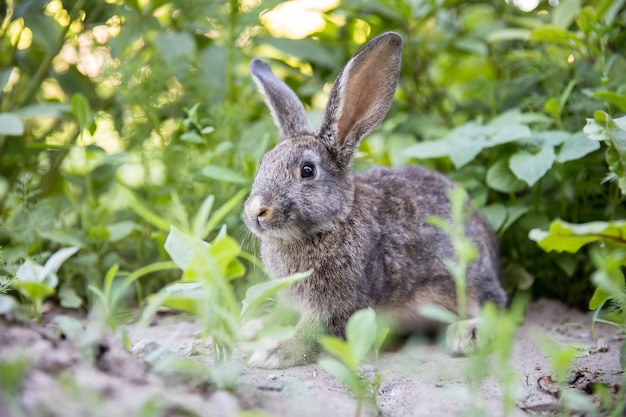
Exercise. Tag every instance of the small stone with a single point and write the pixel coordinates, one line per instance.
(602, 345)
(223, 404)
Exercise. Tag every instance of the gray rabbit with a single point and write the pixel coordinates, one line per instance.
(365, 235)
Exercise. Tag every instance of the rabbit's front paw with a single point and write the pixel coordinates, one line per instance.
(461, 337)
(287, 354)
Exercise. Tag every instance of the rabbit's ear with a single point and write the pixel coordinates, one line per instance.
(286, 108)
(362, 94)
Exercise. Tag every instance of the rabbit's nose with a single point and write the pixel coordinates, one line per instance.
(255, 209)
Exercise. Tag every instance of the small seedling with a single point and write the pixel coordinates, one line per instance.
(364, 334)
(36, 282)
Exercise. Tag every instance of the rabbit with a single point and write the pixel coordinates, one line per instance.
(365, 236)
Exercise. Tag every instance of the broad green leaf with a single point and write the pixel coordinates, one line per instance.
(257, 294)
(183, 297)
(224, 250)
(500, 178)
(618, 100)
(465, 142)
(341, 349)
(613, 133)
(33, 290)
(531, 167)
(555, 34)
(121, 230)
(361, 332)
(599, 297)
(65, 237)
(576, 147)
(552, 107)
(175, 47)
(192, 137)
(569, 237)
(495, 214)
(11, 125)
(223, 174)
(182, 247)
(53, 264)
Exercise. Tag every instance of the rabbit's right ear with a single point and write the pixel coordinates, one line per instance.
(287, 110)
(362, 95)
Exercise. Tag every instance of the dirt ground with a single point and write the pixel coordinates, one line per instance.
(45, 372)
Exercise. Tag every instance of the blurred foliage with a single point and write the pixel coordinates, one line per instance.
(118, 119)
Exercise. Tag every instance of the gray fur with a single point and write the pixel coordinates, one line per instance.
(365, 236)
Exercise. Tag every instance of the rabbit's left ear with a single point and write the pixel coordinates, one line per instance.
(362, 94)
(287, 110)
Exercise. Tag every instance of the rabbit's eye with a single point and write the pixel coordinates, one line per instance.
(307, 171)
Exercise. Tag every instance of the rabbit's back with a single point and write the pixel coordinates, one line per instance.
(413, 250)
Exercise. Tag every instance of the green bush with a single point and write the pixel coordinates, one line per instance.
(118, 119)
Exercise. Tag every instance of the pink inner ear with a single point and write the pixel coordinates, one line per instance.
(370, 80)
(364, 85)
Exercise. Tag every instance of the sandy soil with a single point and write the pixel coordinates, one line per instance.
(79, 373)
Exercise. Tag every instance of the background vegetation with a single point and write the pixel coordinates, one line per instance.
(119, 119)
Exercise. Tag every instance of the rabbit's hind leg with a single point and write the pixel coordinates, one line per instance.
(462, 337)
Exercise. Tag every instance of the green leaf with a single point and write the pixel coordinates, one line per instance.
(555, 34)
(613, 133)
(224, 250)
(11, 125)
(576, 147)
(33, 290)
(69, 298)
(495, 214)
(121, 230)
(618, 100)
(565, 13)
(508, 34)
(437, 313)
(81, 111)
(192, 137)
(183, 297)
(569, 237)
(201, 218)
(182, 247)
(500, 178)
(552, 107)
(223, 174)
(53, 110)
(513, 214)
(342, 373)
(257, 294)
(531, 167)
(341, 349)
(599, 297)
(361, 333)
